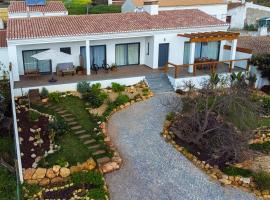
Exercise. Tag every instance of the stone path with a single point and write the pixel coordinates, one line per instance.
(92, 144)
(153, 169)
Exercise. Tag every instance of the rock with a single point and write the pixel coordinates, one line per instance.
(74, 169)
(28, 173)
(32, 182)
(57, 180)
(50, 173)
(44, 181)
(245, 180)
(33, 155)
(64, 172)
(107, 168)
(31, 139)
(225, 181)
(39, 174)
(90, 164)
(56, 169)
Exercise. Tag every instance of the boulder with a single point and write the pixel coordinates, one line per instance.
(75, 169)
(50, 173)
(44, 181)
(56, 169)
(28, 173)
(90, 164)
(32, 182)
(64, 172)
(57, 180)
(39, 173)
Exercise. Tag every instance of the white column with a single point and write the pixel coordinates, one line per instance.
(221, 50)
(88, 64)
(191, 57)
(13, 59)
(109, 2)
(233, 51)
(155, 52)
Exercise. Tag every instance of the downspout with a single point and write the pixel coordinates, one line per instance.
(15, 126)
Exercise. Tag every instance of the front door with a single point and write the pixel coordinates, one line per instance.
(163, 55)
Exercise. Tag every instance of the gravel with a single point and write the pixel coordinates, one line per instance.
(152, 168)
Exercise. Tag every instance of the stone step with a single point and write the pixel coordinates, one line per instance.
(98, 151)
(103, 160)
(58, 109)
(76, 127)
(89, 141)
(85, 136)
(80, 132)
(53, 107)
(72, 123)
(62, 111)
(66, 115)
(69, 119)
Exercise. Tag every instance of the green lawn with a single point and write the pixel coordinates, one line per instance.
(7, 185)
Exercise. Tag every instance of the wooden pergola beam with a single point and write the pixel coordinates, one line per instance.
(210, 36)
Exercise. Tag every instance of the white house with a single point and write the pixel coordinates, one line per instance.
(216, 8)
(140, 44)
(243, 13)
(20, 9)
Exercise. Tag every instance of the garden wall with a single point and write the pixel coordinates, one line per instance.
(73, 86)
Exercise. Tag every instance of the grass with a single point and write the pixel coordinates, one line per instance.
(99, 9)
(72, 151)
(264, 147)
(262, 180)
(235, 171)
(7, 185)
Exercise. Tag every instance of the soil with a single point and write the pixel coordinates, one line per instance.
(26, 146)
(266, 89)
(66, 193)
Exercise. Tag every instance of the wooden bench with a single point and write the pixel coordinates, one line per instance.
(32, 73)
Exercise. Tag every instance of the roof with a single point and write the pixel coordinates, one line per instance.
(51, 6)
(3, 38)
(234, 5)
(210, 36)
(258, 44)
(83, 25)
(171, 3)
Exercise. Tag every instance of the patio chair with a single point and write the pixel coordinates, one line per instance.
(94, 67)
(106, 66)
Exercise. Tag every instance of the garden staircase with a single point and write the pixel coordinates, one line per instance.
(159, 83)
(34, 96)
(95, 146)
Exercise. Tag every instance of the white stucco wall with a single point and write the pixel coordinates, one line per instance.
(217, 10)
(238, 17)
(4, 56)
(239, 55)
(35, 14)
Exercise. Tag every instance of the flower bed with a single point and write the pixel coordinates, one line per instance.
(35, 140)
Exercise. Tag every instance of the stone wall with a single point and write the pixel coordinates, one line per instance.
(43, 176)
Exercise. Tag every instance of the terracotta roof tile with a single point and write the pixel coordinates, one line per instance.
(51, 6)
(167, 3)
(258, 44)
(38, 27)
(3, 38)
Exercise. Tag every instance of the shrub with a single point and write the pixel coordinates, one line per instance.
(99, 9)
(60, 126)
(170, 116)
(55, 97)
(90, 177)
(31, 189)
(95, 96)
(121, 99)
(44, 93)
(7, 185)
(262, 180)
(33, 116)
(116, 87)
(266, 104)
(83, 87)
(145, 91)
(235, 171)
(264, 147)
(98, 194)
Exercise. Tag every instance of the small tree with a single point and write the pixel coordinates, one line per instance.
(262, 61)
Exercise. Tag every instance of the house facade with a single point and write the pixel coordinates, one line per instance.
(215, 8)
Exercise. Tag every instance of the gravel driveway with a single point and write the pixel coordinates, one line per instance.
(153, 169)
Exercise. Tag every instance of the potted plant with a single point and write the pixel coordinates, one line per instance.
(80, 70)
(44, 94)
(252, 78)
(113, 67)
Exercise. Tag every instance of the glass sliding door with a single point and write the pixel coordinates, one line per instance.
(98, 55)
(186, 52)
(127, 54)
(44, 66)
(208, 50)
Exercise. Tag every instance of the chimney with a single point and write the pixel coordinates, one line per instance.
(151, 6)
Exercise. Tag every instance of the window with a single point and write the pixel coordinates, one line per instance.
(127, 54)
(31, 63)
(66, 50)
(228, 19)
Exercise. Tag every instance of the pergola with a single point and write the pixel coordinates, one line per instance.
(221, 36)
